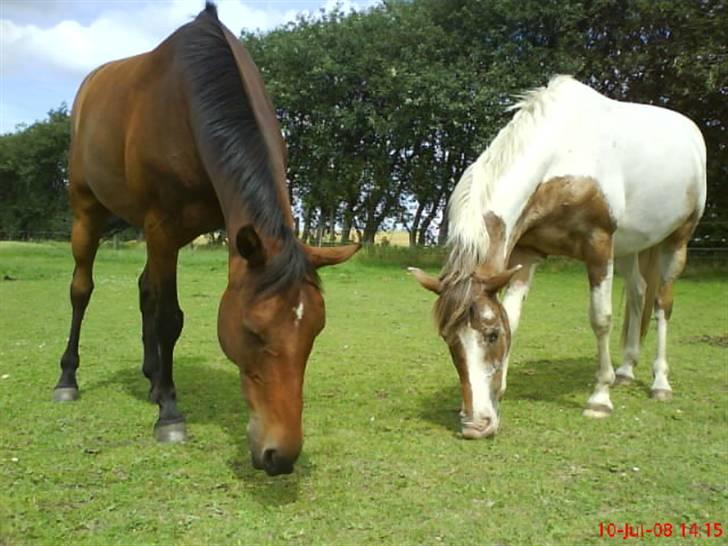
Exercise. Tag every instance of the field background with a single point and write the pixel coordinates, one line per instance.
(382, 462)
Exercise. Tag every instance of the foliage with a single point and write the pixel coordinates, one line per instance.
(382, 463)
(383, 110)
(34, 178)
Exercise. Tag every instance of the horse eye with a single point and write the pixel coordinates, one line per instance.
(492, 336)
(253, 335)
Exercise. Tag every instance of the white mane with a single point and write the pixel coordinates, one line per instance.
(470, 200)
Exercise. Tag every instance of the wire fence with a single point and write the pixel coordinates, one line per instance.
(697, 247)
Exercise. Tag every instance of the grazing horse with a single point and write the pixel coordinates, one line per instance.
(573, 174)
(180, 141)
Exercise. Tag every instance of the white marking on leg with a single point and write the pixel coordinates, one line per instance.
(479, 377)
(600, 315)
(659, 366)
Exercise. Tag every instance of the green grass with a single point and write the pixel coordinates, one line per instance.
(382, 462)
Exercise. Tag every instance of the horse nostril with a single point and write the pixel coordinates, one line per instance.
(479, 429)
(275, 464)
(269, 457)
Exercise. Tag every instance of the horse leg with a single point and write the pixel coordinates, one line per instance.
(635, 286)
(168, 320)
(88, 225)
(601, 271)
(672, 262)
(147, 306)
(514, 297)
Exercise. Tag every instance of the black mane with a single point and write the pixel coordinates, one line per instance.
(233, 148)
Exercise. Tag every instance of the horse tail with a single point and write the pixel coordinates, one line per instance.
(650, 269)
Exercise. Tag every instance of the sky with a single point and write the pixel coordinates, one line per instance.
(48, 46)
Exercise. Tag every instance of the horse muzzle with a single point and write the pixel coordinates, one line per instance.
(273, 462)
(482, 428)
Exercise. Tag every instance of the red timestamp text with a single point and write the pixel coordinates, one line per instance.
(625, 531)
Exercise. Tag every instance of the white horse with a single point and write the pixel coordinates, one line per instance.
(573, 174)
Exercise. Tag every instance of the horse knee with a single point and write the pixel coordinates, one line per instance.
(169, 324)
(601, 323)
(82, 286)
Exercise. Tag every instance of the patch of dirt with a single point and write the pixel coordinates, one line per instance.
(717, 341)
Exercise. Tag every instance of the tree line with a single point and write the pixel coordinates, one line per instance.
(382, 110)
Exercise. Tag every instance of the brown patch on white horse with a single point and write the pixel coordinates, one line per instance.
(566, 216)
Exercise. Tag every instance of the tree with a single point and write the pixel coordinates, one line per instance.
(33, 171)
(385, 109)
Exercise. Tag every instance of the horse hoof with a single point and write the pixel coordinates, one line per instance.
(65, 394)
(171, 433)
(597, 411)
(623, 380)
(663, 395)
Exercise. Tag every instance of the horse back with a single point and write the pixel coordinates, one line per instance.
(132, 145)
(648, 163)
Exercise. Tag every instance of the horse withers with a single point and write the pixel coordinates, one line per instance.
(579, 175)
(180, 141)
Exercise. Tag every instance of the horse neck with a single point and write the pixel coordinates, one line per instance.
(496, 217)
(514, 189)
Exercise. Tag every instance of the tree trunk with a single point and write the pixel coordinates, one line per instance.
(425, 225)
(370, 232)
(332, 225)
(444, 228)
(320, 226)
(307, 216)
(413, 231)
(347, 224)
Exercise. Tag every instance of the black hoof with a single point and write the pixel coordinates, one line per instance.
(170, 433)
(65, 394)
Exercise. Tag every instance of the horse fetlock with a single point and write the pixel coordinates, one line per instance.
(624, 374)
(599, 404)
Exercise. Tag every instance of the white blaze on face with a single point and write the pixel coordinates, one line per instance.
(479, 374)
(298, 311)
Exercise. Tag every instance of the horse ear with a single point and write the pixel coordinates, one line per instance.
(429, 282)
(332, 255)
(250, 246)
(494, 283)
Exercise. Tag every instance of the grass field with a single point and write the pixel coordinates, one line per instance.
(382, 463)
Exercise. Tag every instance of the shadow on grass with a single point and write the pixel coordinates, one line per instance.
(213, 396)
(551, 381)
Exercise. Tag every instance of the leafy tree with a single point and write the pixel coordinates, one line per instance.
(33, 178)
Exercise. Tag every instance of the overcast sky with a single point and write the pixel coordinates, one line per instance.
(48, 46)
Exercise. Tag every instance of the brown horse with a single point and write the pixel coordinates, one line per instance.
(180, 141)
